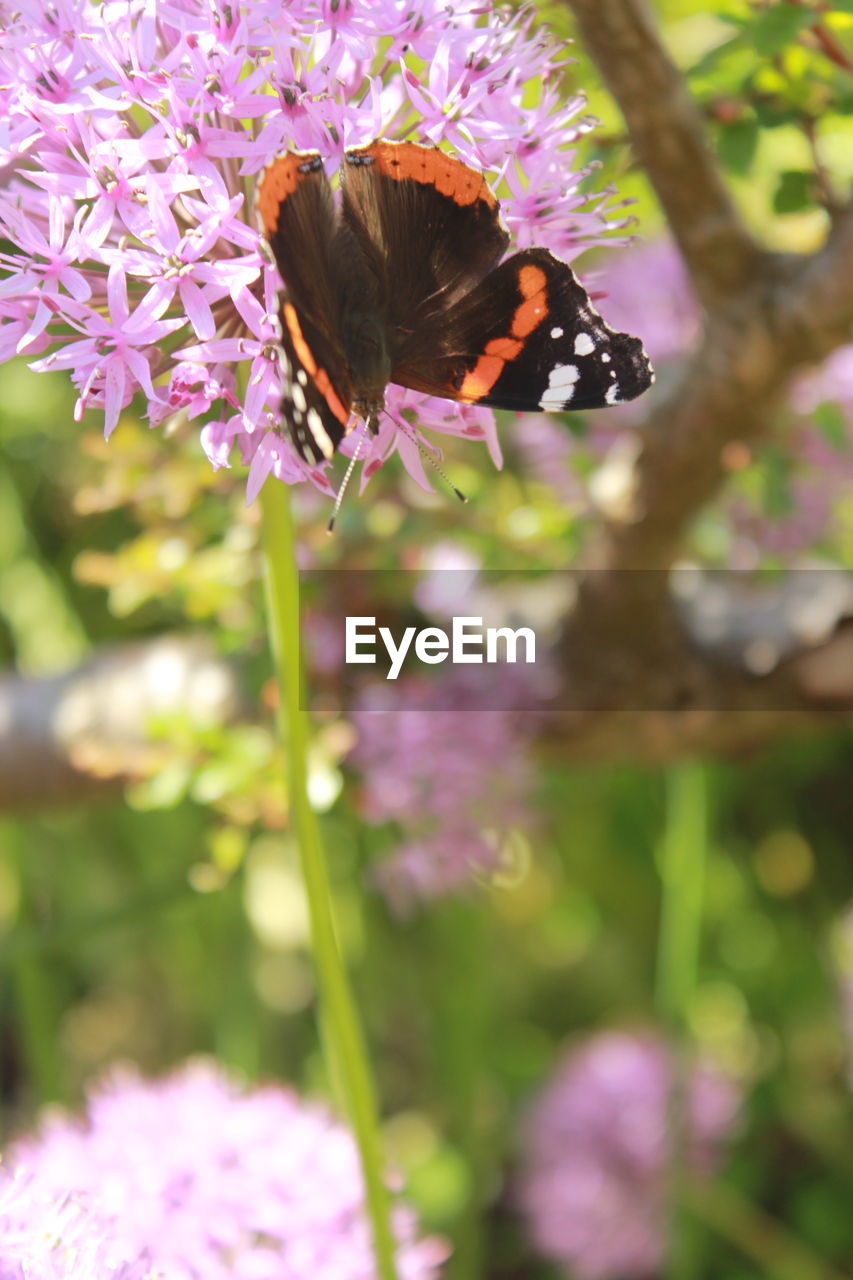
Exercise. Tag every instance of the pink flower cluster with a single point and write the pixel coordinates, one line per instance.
(45, 1236)
(193, 1178)
(131, 133)
(596, 1150)
(456, 782)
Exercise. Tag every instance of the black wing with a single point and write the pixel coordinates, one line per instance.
(432, 224)
(316, 395)
(298, 219)
(528, 338)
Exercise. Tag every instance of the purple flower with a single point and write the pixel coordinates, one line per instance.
(649, 282)
(596, 1148)
(131, 137)
(46, 1236)
(776, 511)
(195, 1178)
(547, 451)
(456, 782)
(648, 286)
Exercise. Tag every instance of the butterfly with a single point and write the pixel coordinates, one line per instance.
(404, 280)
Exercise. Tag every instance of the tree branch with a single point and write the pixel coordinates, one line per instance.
(767, 315)
(669, 141)
(81, 735)
(720, 669)
(800, 311)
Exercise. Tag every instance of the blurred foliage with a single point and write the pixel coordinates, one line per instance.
(173, 922)
(774, 80)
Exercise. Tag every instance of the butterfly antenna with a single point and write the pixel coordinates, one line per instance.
(339, 496)
(426, 455)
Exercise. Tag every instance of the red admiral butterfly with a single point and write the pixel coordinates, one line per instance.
(403, 282)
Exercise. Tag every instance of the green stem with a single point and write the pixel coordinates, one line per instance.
(32, 982)
(461, 969)
(349, 1065)
(782, 1255)
(683, 854)
(682, 866)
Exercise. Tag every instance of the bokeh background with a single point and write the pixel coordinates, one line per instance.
(154, 912)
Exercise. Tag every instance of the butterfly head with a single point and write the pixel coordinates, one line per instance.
(369, 409)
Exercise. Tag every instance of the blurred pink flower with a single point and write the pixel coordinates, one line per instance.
(455, 780)
(547, 450)
(47, 1236)
(200, 1179)
(596, 1149)
(131, 134)
(780, 512)
(649, 282)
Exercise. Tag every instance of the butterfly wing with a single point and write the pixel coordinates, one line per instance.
(433, 224)
(298, 219)
(528, 338)
(316, 394)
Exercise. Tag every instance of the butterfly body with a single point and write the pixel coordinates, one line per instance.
(404, 280)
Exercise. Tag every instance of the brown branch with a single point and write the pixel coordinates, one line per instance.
(727, 669)
(653, 674)
(80, 736)
(830, 47)
(645, 686)
(668, 137)
(625, 636)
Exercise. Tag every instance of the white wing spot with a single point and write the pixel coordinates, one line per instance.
(298, 397)
(320, 434)
(612, 394)
(584, 345)
(302, 377)
(561, 387)
(557, 333)
(605, 357)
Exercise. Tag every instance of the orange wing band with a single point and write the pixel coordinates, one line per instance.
(527, 316)
(430, 165)
(319, 376)
(279, 180)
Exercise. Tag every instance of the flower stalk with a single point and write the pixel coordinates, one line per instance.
(683, 855)
(343, 1037)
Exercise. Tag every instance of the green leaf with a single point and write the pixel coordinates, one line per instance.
(736, 144)
(777, 502)
(772, 113)
(832, 425)
(840, 6)
(795, 191)
(779, 26)
(709, 61)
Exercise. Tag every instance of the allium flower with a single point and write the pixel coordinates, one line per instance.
(650, 281)
(547, 450)
(649, 286)
(202, 1180)
(45, 1236)
(455, 781)
(596, 1149)
(131, 133)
